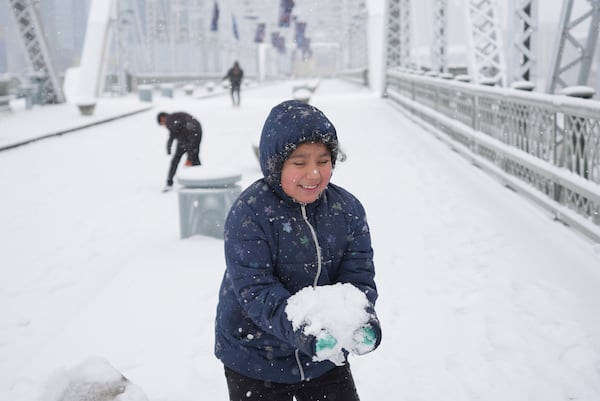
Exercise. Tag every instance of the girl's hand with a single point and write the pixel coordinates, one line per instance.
(364, 340)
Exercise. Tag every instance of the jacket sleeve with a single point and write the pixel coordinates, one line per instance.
(357, 266)
(170, 143)
(250, 267)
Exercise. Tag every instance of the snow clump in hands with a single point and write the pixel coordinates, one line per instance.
(336, 315)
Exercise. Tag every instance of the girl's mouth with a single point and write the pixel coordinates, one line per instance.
(309, 187)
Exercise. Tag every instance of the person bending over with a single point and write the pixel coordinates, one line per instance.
(186, 130)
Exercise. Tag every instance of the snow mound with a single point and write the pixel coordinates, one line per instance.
(93, 380)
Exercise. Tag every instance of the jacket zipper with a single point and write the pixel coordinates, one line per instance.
(319, 268)
(316, 241)
(297, 353)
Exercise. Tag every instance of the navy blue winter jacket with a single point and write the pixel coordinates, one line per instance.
(271, 254)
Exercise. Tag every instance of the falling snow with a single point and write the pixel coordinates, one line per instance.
(482, 295)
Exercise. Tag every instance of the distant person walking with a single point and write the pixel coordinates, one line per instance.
(235, 75)
(187, 131)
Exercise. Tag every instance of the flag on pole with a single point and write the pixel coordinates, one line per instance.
(299, 35)
(278, 42)
(306, 50)
(259, 36)
(285, 12)
(214, 21)
(236, 34)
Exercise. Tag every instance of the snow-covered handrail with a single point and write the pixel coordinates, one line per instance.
(359, 76)
(546, 146)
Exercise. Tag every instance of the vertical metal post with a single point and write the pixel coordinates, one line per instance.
(486, 58)
(439, 48)
(523, 40)
(393, 34)
(405, 34)
(398, 34)
(150, 19)
(32, 35)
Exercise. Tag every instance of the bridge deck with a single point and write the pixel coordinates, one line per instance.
(482, 295)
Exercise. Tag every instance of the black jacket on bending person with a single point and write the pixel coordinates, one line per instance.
(187, 131)
(184, 128)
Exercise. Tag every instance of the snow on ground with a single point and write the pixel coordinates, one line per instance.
(482, 295)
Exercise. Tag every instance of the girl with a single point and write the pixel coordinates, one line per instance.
(290, 230)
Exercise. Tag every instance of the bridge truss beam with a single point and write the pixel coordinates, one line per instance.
(439, 48)
(486, 58)
(523, 40)
(570, 52)
(32, 36)
(398, 31)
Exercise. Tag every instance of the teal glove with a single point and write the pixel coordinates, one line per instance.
(325, 342)
(369, 337)
(327, 348)
(364, 340)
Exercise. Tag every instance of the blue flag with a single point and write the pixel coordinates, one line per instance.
(259, 36)
(236, 35)
(285, 12)
(300, 34)
(278, 42)
(214, 22)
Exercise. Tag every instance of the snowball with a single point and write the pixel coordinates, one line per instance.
(339, 309)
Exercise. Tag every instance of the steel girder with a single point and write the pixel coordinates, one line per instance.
(32, 35)
(159, 31)
(353, 30)
(486, 58)
(130, 37)
(405, 34)
(439, 48)
(523, 40)
(393, 34)
(398, 34)
(579, 59)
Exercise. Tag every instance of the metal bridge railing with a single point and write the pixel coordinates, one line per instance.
(359, 76)
(544, 146)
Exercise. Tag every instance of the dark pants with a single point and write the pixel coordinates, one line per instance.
(235, 94)
(193, 155)
(335, 385)
(193, 158)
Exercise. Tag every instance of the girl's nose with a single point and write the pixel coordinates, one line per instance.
(314, 173)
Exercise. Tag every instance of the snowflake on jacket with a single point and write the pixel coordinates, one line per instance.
(271, 254)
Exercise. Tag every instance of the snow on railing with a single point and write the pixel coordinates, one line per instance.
(544, 146)
(359, 76)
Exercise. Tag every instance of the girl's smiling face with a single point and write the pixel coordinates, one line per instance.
(306, 173)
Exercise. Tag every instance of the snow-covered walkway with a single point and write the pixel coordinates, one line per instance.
(482, 295)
